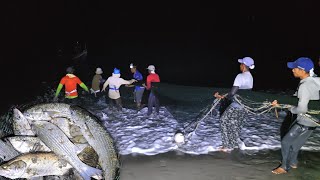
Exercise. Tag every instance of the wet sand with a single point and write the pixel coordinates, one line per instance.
(221, 166)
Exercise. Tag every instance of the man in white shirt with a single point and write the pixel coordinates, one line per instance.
(114, 82)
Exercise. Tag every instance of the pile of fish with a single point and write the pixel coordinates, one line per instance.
(57, 139)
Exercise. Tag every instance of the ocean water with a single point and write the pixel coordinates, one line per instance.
(137, 134)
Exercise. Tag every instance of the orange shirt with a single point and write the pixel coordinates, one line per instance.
(70, 83)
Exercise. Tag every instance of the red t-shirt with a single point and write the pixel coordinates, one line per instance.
(153, 77)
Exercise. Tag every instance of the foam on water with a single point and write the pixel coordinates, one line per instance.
(135, 132)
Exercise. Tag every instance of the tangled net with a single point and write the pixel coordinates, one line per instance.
(255, 108)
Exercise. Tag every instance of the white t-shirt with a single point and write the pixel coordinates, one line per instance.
(244, 80)
(114, 82)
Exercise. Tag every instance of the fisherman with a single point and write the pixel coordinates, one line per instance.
(152, 80)
(96, 83)
(304, 124)
(230, 129)
(138, 88)
(114, 82)
(70, 81)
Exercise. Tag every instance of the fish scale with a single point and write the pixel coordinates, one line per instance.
(59, 143)
(7, 152)
(33, 165)
(98, 138)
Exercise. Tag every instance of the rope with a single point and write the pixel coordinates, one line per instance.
(215, 103)
(252, 107)
(197, 122)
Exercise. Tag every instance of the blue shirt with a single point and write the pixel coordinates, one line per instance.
(138, 76)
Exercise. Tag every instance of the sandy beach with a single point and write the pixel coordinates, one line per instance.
(216, 166)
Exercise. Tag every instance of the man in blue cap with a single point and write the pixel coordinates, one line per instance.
(304, 124)
(114, 82)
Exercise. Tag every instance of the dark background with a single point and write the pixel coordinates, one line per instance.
(190, 44)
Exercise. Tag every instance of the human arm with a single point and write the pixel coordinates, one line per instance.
(303, 95)
(138, 76)
(127, 85)
(81, 84)
(232, 92)
(301, 108)
(102, 80)
(106, 83)
(148, 83)
(84, 86)
(127, 82)
(58, 90)
(62, 82)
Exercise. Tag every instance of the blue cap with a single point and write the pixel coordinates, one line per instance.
(116, 71)
(303, 63)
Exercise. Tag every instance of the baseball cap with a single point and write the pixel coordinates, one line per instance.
(248, 61)
(151, 68)
(116, 71)
(303, 63)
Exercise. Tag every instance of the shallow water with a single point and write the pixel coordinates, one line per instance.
(147, 142)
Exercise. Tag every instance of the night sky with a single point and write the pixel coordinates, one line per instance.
(190, 44)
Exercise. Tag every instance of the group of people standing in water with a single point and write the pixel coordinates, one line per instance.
(298, 133)
(303, 124)
(100, 85)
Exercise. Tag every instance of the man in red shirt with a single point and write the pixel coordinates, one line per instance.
(152, 80)
(70, 82)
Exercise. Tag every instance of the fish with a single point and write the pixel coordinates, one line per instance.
(56, 113)
(98, 137)
(59, 143)
(6, 124)
(27, 144)
(7, 152)
(75, 131)
(89, 156)
(64, 124)
(34, 165)
(21, 125)
(79, 139)
(47, 111)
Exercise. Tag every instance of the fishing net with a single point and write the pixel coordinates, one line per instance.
(202, 102)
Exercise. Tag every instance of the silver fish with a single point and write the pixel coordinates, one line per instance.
(34, 165)
(27, 144)
(59, 143)
(98, 137)
(65, 125)
(21, 125)
(48, 111)
(7, 152)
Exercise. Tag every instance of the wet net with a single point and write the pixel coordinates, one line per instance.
(201, 101)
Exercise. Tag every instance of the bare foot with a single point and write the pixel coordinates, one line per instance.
(279, 170)
(224, 149)
(294, 166)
